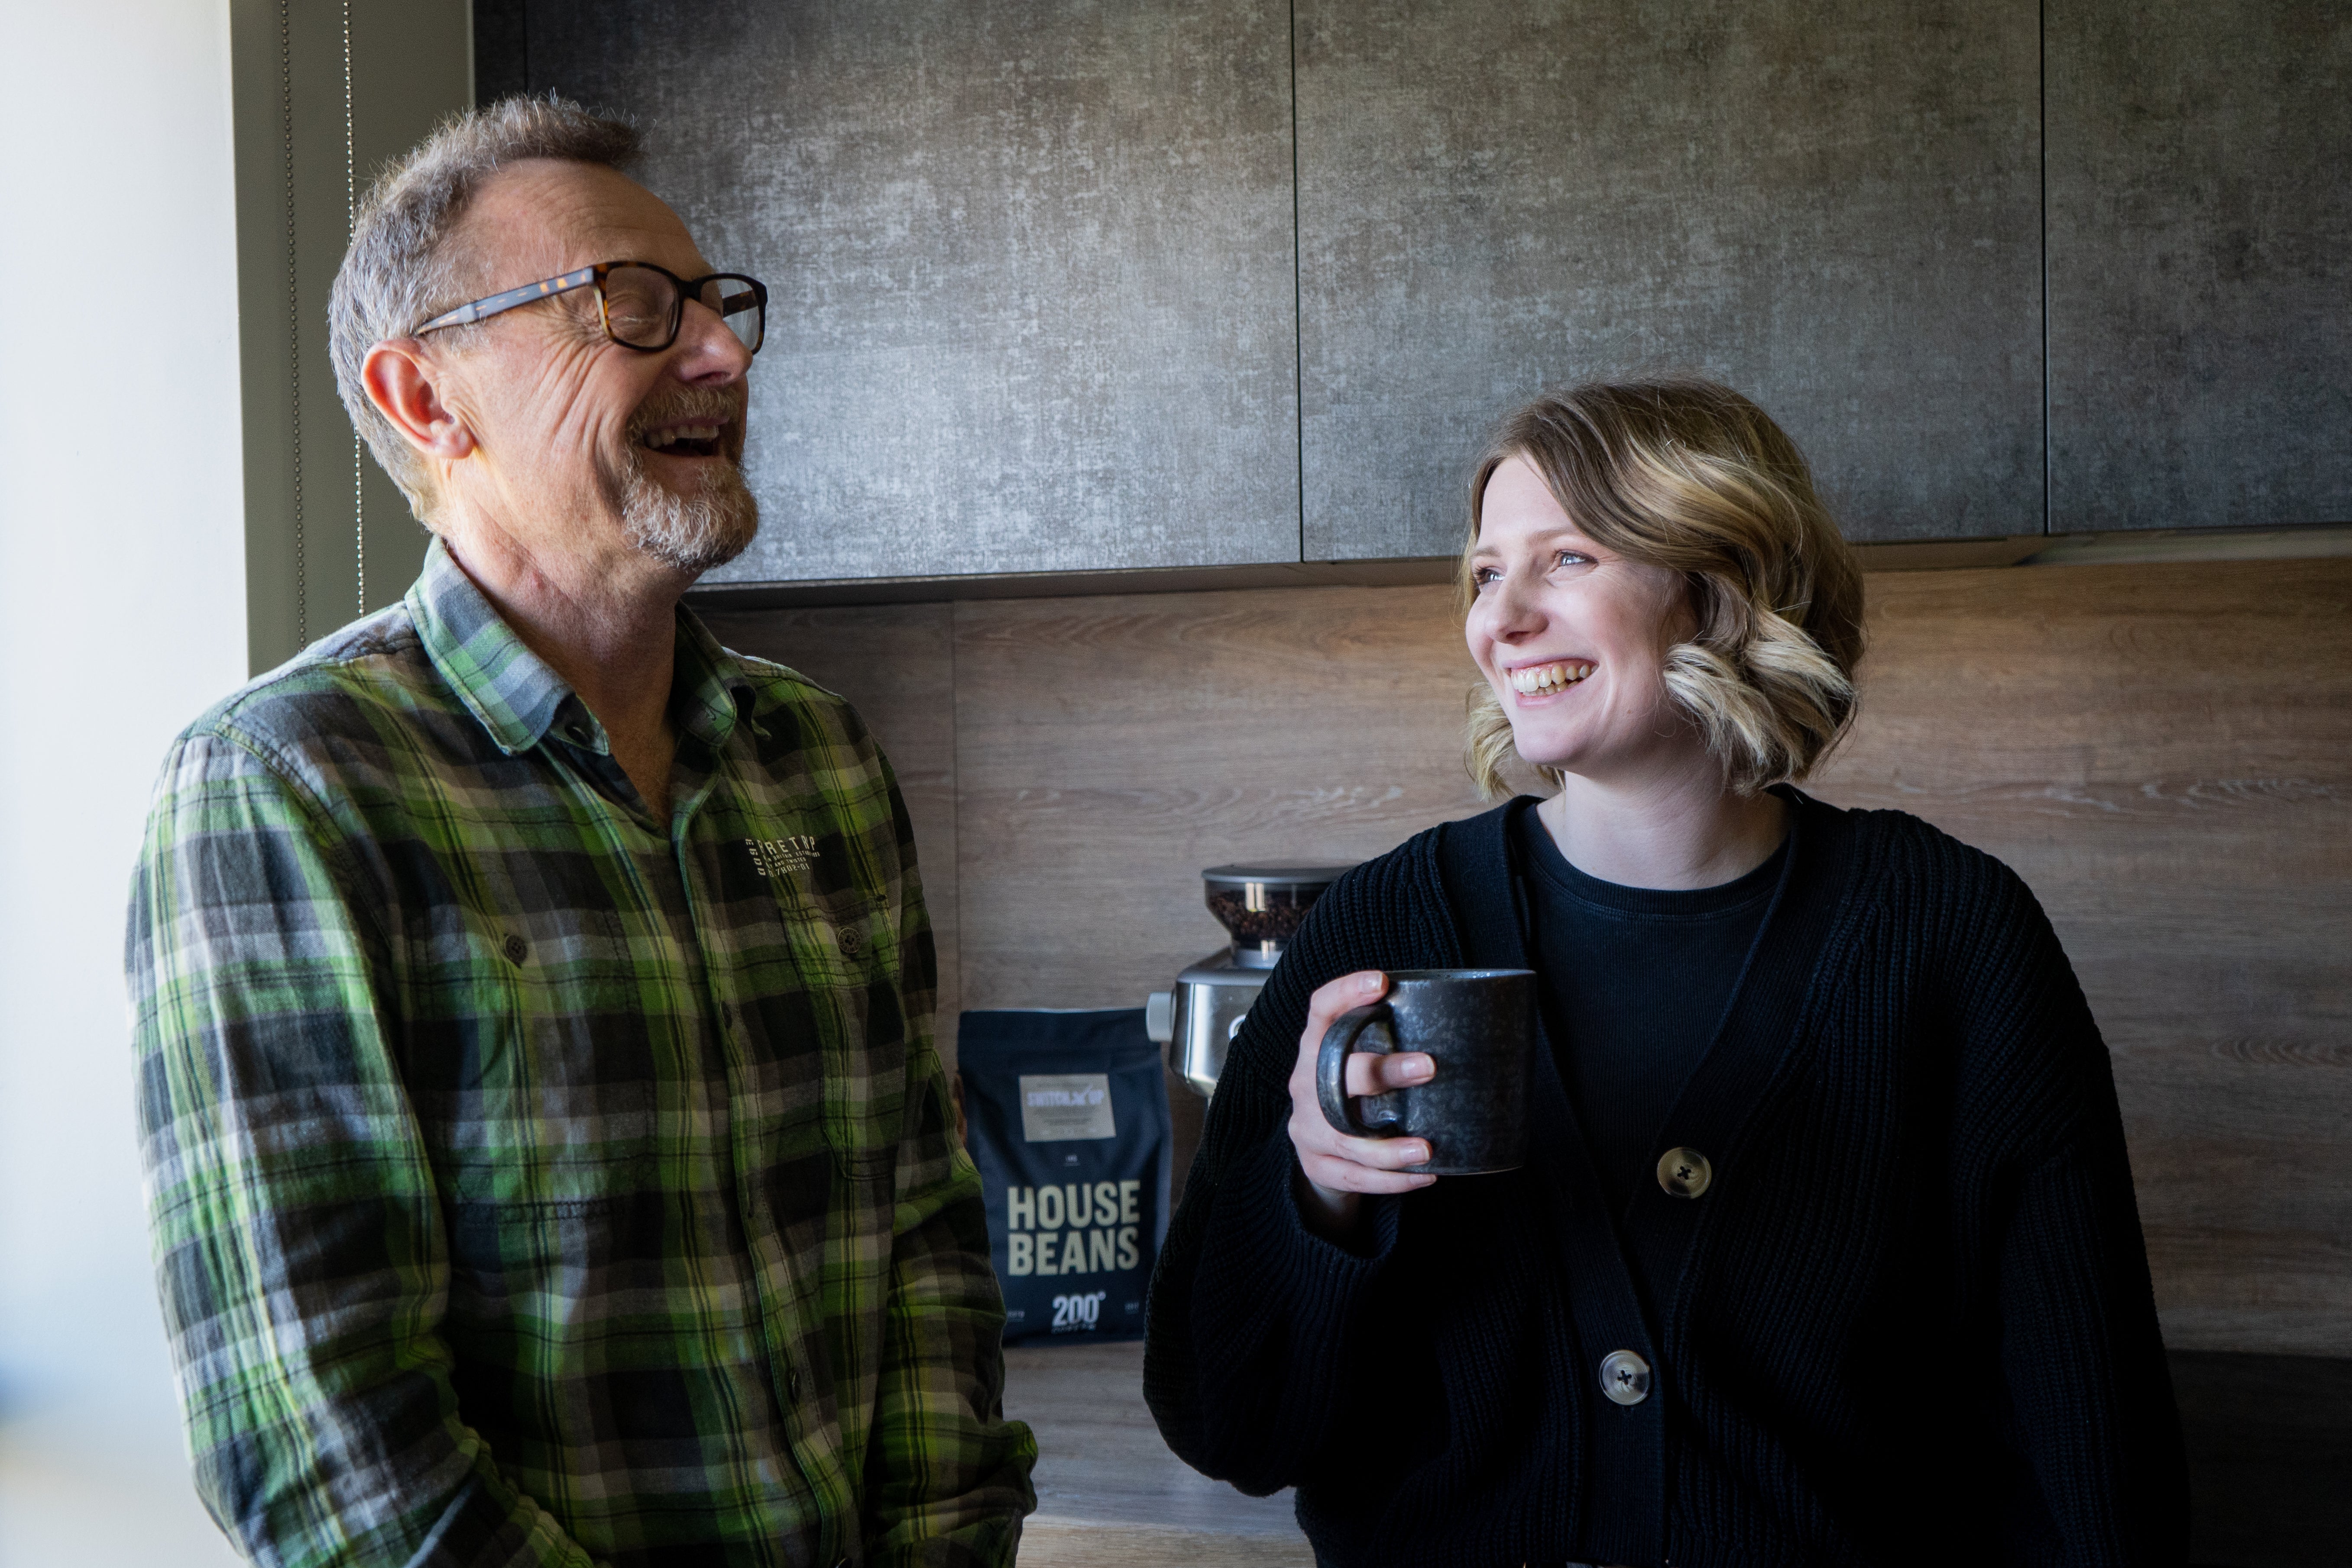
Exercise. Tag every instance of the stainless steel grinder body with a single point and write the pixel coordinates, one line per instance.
(1211, 999)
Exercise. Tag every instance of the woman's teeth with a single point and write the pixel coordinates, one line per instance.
(1533, 679)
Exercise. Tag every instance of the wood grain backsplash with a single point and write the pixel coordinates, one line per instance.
(2163, 751)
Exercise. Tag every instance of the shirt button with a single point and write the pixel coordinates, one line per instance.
(516, 949)
(1685, 1173)
(851, 941)
(1624, 1377)
(792, 1385)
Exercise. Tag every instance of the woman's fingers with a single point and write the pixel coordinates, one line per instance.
(1345, 1176)
(1370, 1074)
(1334, 997)
(1335, 1161)
(1345, 1162)
(1330, 999)
(1373, 1154)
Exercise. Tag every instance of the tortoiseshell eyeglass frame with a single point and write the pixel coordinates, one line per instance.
(594, 277)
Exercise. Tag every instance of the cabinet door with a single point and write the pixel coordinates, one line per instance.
(1031, 299)
(1832, 205)
(2201, 264)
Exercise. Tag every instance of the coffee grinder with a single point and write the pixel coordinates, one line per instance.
(1260, 907)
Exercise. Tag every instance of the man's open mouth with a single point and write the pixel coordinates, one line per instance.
(684, 440)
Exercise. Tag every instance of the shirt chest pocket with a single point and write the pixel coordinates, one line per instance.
(843, 945)
(530, 1057)
(840, 937)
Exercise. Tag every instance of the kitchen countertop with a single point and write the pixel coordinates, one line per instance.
(1109, 1494)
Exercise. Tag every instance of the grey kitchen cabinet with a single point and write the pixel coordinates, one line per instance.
(1031, 265)
(2201, 264)
(1830, 205)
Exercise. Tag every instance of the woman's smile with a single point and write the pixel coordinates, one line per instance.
(1533, 683)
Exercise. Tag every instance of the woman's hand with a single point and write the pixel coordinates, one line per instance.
(1337, 1168)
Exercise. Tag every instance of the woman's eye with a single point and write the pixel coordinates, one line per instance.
(1571, 558)
(1482, 577)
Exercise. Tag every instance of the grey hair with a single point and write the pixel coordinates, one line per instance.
(403, 269)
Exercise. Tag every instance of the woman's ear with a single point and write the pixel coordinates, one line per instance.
(403, 384)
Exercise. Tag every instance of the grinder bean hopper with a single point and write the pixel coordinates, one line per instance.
(1260, 906)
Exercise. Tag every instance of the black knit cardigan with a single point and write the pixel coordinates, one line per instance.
(1908, 1323)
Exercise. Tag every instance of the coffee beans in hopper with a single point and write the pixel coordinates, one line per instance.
(1275, 923)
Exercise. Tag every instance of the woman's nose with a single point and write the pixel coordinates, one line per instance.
(1517, 608)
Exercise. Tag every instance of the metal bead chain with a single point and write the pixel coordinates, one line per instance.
(293, 312)
(351, 223)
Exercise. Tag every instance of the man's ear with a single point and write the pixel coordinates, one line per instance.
(400, 382)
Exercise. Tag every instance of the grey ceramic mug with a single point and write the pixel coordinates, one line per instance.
(1479, 1026)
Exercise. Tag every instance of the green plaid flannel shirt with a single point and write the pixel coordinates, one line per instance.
(535, 1183)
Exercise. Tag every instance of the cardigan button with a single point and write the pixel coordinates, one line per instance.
(1624, 1377)
(1685, 1173)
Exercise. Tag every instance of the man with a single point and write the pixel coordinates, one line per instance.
(547, 1155)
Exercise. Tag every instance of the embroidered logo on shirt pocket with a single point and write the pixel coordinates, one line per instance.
(849, 916)
(778, 858)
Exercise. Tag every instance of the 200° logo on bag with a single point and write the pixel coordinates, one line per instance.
(1072, 1313)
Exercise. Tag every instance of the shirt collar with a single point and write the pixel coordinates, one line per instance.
(517, 697)
(711, 689)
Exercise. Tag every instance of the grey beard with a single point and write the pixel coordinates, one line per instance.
(693, 533)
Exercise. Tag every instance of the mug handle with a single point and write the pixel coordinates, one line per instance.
(1331, 1072)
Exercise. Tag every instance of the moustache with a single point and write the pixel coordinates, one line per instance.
(697, 406)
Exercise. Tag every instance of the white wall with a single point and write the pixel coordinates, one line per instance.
(121, 617)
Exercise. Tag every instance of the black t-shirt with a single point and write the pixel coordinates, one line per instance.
(1634, 984)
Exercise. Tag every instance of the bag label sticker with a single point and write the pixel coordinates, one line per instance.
(1057, 1106)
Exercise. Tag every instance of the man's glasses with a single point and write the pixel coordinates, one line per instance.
(642, 305)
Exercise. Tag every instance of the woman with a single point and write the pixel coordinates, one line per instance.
(1826, 1164)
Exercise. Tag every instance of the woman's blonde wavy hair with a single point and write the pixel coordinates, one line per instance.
(1688, 475)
